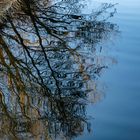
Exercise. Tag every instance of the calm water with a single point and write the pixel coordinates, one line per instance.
(117, 116)
(82, 81)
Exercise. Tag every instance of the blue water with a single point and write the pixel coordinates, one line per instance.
(98, 82)
(117, 116)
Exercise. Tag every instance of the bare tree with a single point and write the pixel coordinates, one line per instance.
(47, 64)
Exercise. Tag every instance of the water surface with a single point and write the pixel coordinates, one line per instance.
(117, 115)
(70, 71)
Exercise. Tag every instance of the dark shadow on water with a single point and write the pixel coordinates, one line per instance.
(49, 64)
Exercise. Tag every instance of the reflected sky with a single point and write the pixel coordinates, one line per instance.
(117, 116)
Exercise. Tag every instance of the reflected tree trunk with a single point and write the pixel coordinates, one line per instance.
(49, 63)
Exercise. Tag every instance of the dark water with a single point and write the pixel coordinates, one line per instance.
(70, 71)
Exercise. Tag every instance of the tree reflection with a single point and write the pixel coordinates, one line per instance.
(49, 65)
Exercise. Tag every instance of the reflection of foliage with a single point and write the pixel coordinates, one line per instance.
(47, 63)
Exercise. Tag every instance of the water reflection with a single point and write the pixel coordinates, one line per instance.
(49, 65)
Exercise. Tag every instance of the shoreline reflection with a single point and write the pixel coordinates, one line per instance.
(49, 63)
